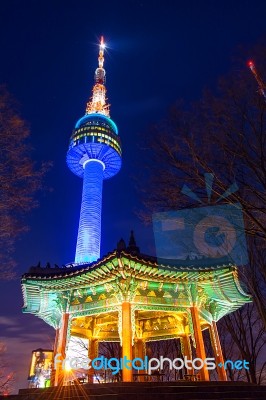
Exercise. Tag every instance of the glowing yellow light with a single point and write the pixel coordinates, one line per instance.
(67, 367)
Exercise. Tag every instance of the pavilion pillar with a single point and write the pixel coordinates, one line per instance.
(139, 348)
(217, 350)
(186, 350)
(60, 348)
(200, 349)
(140, 352)
(127, 374)
(54, 354)
(92, 353)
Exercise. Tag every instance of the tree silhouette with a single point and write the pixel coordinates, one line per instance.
(20, 180)
(223, 134)
(6, 378)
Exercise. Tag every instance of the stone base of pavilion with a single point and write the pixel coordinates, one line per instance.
(147, 391)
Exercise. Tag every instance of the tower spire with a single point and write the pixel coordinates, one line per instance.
(101, 53)
(98, 102)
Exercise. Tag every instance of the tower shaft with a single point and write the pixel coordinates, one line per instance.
(89, 233)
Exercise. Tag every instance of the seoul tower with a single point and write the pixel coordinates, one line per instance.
(94, 154)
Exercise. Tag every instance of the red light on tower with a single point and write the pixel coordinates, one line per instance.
(250, 64)
(261, 84)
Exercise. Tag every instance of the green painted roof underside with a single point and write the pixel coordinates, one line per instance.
(48, 293)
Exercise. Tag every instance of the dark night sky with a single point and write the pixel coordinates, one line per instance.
(159, 51)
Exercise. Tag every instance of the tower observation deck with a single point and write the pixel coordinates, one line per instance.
(94, 154)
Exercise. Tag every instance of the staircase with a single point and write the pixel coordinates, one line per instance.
(180, 390)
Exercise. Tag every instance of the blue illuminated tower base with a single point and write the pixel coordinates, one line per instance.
(89, 234)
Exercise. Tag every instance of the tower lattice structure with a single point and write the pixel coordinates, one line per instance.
(94, 154)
